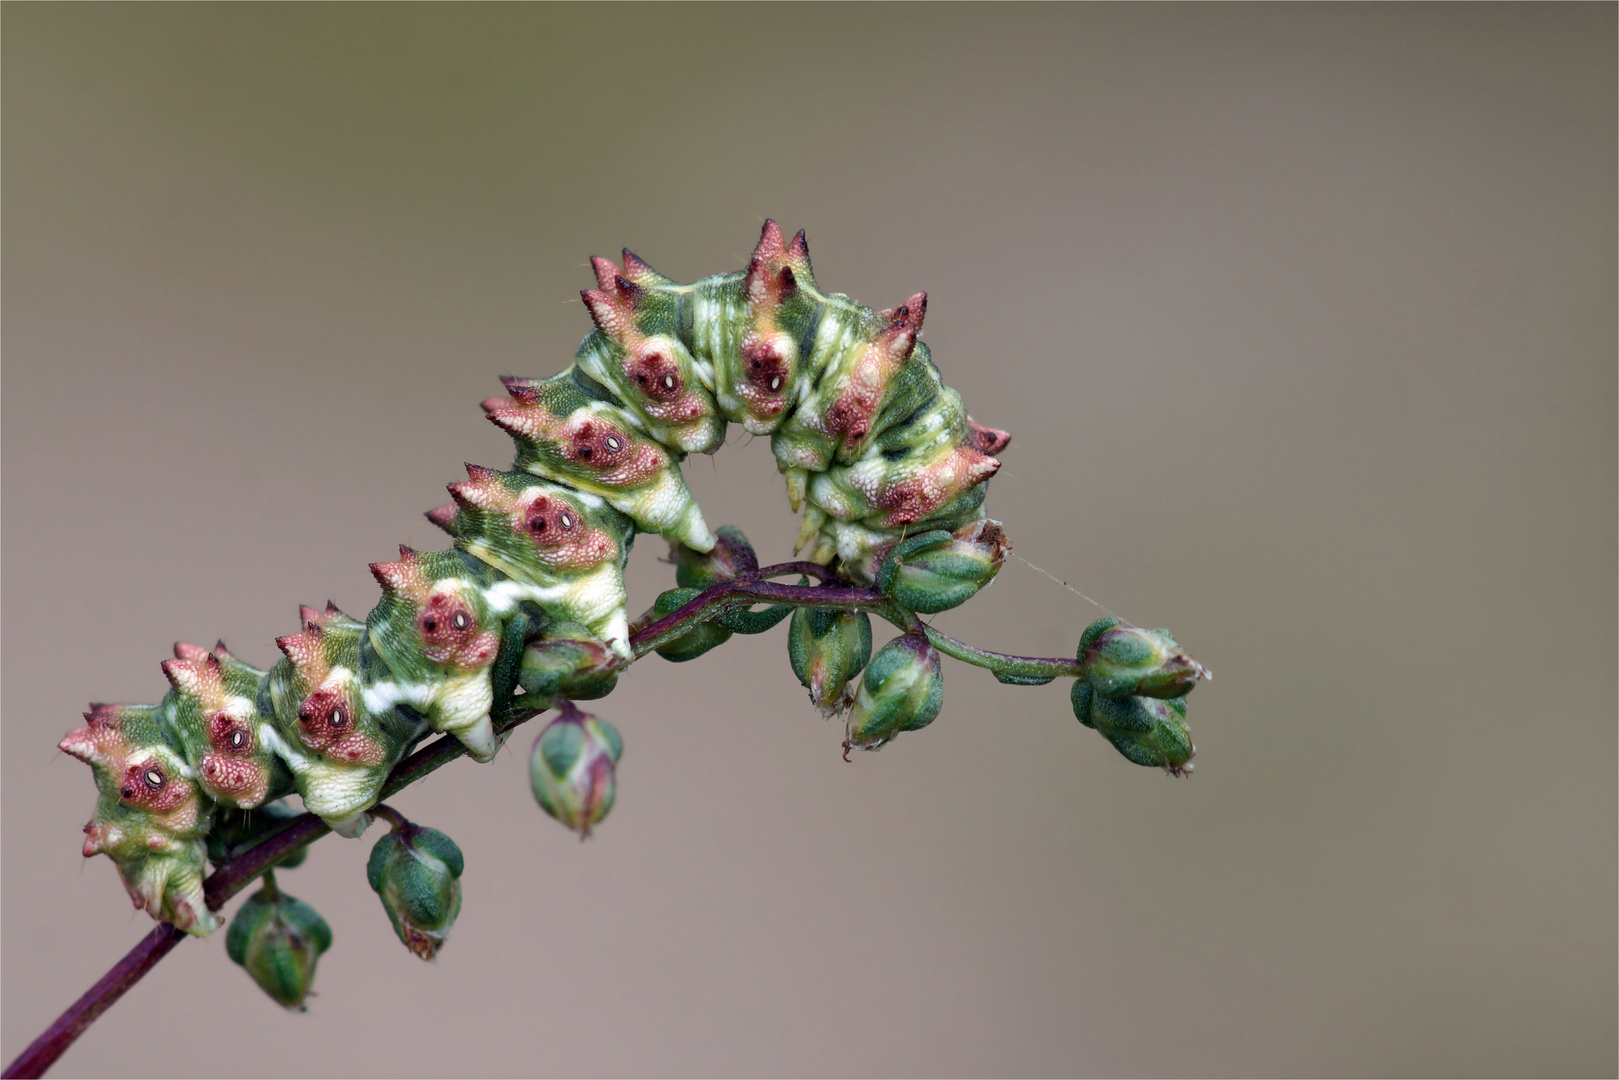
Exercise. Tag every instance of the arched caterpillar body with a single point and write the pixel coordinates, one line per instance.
(873, 446)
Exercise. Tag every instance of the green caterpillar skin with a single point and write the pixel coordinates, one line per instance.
(873, 446)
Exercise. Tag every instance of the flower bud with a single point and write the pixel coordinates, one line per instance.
(901, 691)
(1148, 731)
(417, 873)
(936, 571)
(572, 769)
(567, 661)
(1121, 660)
(694, 642)
(731, 557)
(827, 648)
(278, 939)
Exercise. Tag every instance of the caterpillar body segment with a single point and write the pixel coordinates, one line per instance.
(339, 719)
(561, 549)
(871, 443)
(151, 815)
(594, 446)
(216, 713)
(851, 398)
(438, 636)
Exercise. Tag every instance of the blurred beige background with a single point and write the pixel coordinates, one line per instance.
(1303, 319)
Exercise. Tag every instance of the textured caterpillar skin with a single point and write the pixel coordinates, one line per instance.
(873, 445)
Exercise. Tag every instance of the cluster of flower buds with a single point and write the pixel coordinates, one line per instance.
(1133, 690)
(902, 690)
(278, 939)
(573, 769)
(417, 871)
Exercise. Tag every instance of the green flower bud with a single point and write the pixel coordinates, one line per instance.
(417, 873)
(694, 642)
(278, 939)
(572, 769)
(567, 661)
(1148, 731)
(902, 690)
(828, 648)
(1121, 660)
(936, 571)
(731, 557)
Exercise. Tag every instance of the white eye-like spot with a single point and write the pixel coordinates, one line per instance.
(460, 620)
(613, 444)
(338, 718)
(775, 383)
(154, 778)
(237, 739)
(565, 520)
(668, 381)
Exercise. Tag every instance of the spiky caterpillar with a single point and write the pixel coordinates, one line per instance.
(871, 442)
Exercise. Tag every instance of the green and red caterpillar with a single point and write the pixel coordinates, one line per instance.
(873, 446)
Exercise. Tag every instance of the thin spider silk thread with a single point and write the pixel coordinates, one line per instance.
(1071, 589)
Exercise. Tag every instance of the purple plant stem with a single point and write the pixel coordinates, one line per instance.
(44, 1051)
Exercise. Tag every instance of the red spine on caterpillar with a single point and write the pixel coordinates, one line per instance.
(987, 440)
(640, 273)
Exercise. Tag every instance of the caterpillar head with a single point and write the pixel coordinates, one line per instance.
(135, 763)
(216, 714)
(518, 522)
(328, 713)
(434, 614)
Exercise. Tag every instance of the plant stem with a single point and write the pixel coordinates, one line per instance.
(44, 1051)
(393, 817)
(269, 891)
(751, 590)
(236, 873)
(1003, 663)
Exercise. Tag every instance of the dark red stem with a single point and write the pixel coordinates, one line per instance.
(44, 1051)
(808, 569)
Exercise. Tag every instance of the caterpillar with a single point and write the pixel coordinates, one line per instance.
(871, 443)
